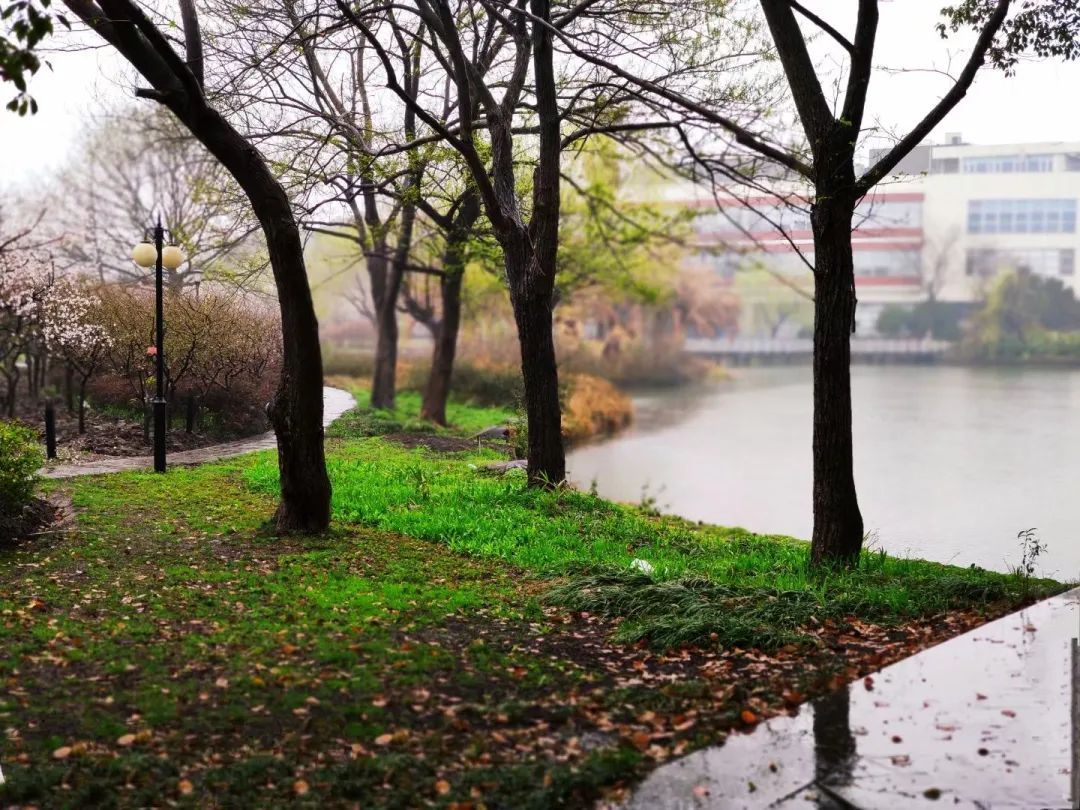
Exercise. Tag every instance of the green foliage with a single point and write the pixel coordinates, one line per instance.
(627, 249)
(20, 458)
(936, 319)
(1045, 28)
(25, 24)
(482, 384)
(1025, 316)
(465, 419)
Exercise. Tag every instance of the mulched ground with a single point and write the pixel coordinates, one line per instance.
(39, 516)
(109, 435)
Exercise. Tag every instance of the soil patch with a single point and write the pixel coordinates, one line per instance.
(441, 444)
(39, 515)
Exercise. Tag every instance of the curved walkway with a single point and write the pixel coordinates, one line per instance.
(335, 403)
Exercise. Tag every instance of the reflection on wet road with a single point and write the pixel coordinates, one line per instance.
(981, 721)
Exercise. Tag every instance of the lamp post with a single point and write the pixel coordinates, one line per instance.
(157, 253)
(196, 279)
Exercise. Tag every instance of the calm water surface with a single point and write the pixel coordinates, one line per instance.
(950, 463)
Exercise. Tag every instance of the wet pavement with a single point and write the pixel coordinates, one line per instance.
(985, 720)
(335, 403)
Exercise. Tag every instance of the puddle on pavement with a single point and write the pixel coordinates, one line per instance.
(985, 720)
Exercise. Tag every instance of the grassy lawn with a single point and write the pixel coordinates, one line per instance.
(455, 640)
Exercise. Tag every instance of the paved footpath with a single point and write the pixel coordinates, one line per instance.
(335, 403)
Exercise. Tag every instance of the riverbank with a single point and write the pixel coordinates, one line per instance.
(455, 638)
(592, 407)
(951, 463)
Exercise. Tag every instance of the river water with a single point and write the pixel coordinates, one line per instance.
(950, 463)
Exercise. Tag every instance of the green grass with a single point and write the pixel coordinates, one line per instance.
(464, 419)
(245, 663)
(708, 582)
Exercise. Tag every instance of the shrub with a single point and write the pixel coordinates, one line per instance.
(220, 348)
(20, 458)
(485, 384)
(347, 362)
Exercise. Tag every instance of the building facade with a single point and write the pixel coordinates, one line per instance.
(955, 216)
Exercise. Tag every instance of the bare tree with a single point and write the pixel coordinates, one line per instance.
(832, 129)
(131, 168)
(297, 408)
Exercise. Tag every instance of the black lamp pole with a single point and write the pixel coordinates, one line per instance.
(159, 400)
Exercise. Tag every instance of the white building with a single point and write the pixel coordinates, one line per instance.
(957, 215)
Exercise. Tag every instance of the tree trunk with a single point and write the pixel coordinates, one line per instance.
(530, 295)
(384, 375)
(296, 411)
(378, 263)
(82, 408)
(838, 525)
(69, 388)
(437, 390)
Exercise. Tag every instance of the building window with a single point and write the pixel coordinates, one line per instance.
(1006, 164)
(986, 262)
(1072, 162)
(1021, 216)
(888, 263)
(945, 166)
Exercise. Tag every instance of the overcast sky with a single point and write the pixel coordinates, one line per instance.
(1039, 104)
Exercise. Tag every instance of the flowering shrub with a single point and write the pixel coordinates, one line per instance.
(24, 282)
(43, 318)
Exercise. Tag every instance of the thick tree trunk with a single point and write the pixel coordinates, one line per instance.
(530, 295)
(838, 525)
(296, 411)
(437, 390)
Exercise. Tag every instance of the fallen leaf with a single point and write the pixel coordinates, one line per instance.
(701, 791)
(901, 760)
(222, 683)
(63, 752)
(641, 740)
(185, 787)
(1008, 712)
(126, 739)
(442, 787)
(748, 717)
(384, 739)
(300, 787)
